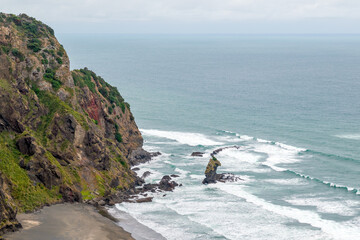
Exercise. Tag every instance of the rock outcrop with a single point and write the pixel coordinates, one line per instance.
(64, 135)
(197, 154)
(210, 172)
(211, 176)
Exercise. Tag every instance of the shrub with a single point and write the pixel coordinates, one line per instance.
(61, 51)
(44, 61)
(118, 137)
(122, 105)
(110, 109)
(59, 60)
(34, 44)
(49, 76)
(16, 53)
(6, 49)
(104, 92)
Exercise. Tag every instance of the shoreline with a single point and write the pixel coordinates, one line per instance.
(69, 221)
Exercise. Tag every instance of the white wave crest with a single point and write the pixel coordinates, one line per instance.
(191, 139)
(337, 230)
(355, 136)
(325, 206)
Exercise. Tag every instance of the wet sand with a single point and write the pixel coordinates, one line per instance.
(68, 221)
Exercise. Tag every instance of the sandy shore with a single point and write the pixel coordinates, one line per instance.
(68, 221)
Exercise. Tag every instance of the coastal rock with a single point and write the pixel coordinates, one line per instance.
(212, 177)
(166, 184)
(221, 149)
(145, 174)
(142, 200)
(227, 177)
(64, 133)
(139, 156)
(210, 172)
(197, 154)
(155, 154)
(8, 222)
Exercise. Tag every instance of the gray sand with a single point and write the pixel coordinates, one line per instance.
(65, 222)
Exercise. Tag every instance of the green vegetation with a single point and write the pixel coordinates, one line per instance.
(26, 194)
(30, 26)
(49, 76)
(34, 44)
(6, 49)
(59, 60)
(106, 90)
(61, 51)
(16, 53)
(110, 109)
(86, 195)
(118, 137)
(44, 61)
(82, 80)
(5, 85)
(121, 161)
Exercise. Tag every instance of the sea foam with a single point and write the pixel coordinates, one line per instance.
(355, 136)
(335, 229)
(191, 139)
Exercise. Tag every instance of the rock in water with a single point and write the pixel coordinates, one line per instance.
(210, 171)
(197, 154)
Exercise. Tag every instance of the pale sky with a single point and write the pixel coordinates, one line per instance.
(193, 16)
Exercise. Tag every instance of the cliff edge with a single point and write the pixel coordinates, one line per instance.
(64, 135)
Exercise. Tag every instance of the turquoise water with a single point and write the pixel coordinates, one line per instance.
(291, 102)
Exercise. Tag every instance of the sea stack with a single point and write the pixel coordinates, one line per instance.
(210, 172)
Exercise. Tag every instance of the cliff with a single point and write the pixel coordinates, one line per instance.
(64, 135)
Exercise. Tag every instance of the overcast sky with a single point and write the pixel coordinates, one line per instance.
(193, 16)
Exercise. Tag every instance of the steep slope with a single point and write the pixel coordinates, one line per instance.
(64, 135)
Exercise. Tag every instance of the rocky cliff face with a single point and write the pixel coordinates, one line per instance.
(64, 135)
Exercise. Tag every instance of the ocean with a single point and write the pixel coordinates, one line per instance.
(290, 102)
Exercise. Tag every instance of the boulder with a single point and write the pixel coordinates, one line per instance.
(145, 174)
(166, 184)
(26, 145)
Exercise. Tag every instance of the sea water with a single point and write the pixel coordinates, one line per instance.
(291, 104)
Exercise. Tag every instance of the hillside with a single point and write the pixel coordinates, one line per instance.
(64, 135)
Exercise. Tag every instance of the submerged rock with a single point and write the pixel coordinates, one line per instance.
(227, 177)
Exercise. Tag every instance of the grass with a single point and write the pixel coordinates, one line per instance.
(26, 194)
(5, 85)
(16, 53)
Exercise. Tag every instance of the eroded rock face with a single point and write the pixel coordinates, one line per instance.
(8, 222)
(26, 145)
(67, 133)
